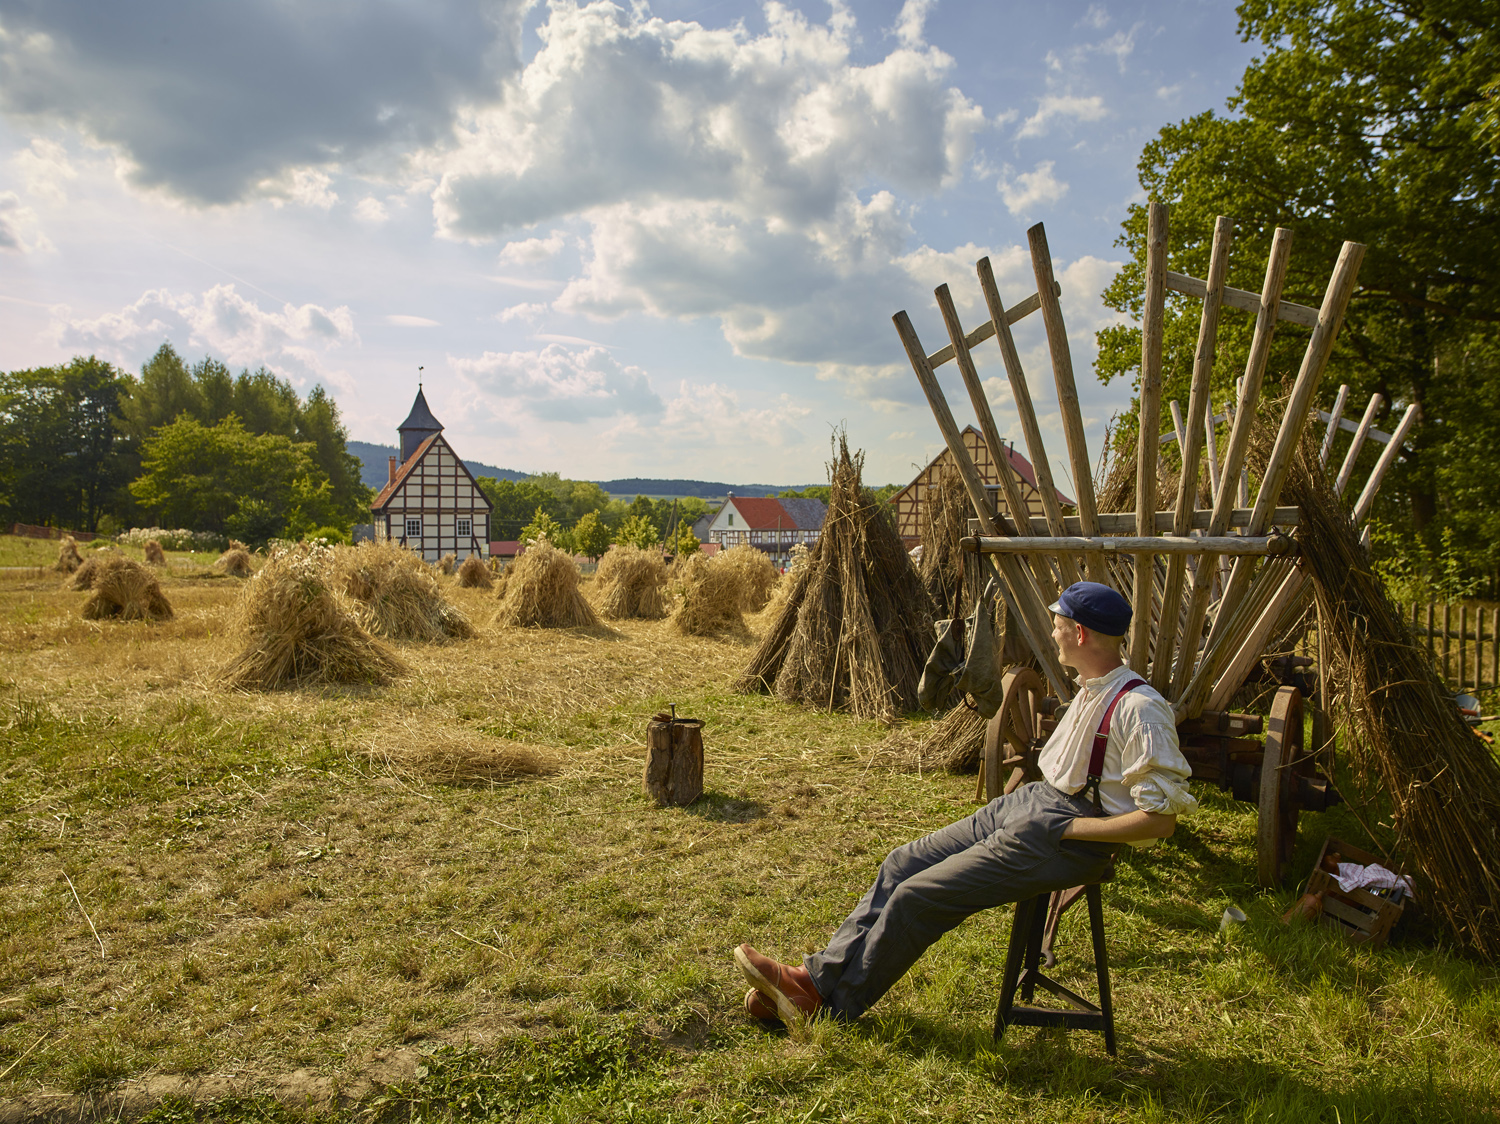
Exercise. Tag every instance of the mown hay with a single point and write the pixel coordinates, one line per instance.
(396, 594)
(235, 544)
(540, 590)
(460, 757)
(474, 574)
(68, 558)
(125, 590)
(301, 629)
(1403, 734)
(709, 596)
(155, 555)
(954, 743)
(632, 584)
(91, 567)
(235, 562)
(857, 625)
(754, 573)
(446, 564)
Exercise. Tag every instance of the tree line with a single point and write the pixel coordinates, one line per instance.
(89, 447)
(1374, 122)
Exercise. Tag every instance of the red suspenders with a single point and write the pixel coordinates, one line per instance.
(1101, 739)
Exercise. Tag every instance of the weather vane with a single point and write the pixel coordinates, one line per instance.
(419, 377)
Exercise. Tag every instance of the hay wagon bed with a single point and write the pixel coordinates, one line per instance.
(1213, 589)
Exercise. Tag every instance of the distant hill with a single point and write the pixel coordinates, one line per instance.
(374, 471)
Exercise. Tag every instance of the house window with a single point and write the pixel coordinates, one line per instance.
(464, 528)
(414, 528)
(731, 520)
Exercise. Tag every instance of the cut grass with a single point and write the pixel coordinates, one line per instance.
(270, 898)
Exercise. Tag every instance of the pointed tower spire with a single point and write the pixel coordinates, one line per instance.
(418, 426)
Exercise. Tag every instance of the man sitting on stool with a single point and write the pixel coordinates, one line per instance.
(1048, 835)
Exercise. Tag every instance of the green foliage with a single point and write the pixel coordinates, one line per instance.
(543, 525)
(333, 536)
(1364, 122)
(223, 479)
(591, 536)
(1415, 575)
(637, 530)
(816, 492)
(683, 541)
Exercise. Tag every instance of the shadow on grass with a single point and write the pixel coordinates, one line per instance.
(720, 807)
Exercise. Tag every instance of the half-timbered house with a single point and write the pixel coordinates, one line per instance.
(431, 503)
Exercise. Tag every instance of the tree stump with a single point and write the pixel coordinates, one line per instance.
(674, 764)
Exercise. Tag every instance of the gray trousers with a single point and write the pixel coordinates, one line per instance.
(1010, 849)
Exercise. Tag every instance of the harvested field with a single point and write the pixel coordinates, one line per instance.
(235, 563)
(709, 596)
(282, 913)
(68, 558)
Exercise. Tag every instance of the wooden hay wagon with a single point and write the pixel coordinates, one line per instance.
(1212, 588)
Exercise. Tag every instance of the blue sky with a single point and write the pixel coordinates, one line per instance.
(660, 240)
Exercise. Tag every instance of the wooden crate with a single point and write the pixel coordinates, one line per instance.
(1358, 914)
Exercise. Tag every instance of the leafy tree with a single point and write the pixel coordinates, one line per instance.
(543, 525)
(60, 459)
(1362, 120)
(514, 502)
(683, 541)
(590, 536)
(221, 478)
(637, 530)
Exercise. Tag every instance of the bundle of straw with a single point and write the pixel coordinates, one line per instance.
(754, 574)
(709, 598)
(632, 583)
(460, 757)
(90, 567)
(397, 595)
(235, 562)
(125, 590)
(155, 555)
(300, 629)
(474, 574)
(944, 523)
(68, 558)
(857, 624)
(1400, 725)
(446, 564)
(540, 590)
(954, 743)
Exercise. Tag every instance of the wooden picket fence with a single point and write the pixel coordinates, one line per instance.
(1464, 641)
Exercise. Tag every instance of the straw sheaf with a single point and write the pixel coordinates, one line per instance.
(446, 563)
(1401, 729)
(300, 629)
(125, 590)
(754, 573)
(396, 594)
(68, 558)
(474, 574)
(632, 584)
(91, 567)
(856, 625)
(460, 757)
(155, 555)
(709, 597)
(540, 590)
(235, 562)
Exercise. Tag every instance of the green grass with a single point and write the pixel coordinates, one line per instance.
(18, 550)
(273, 898)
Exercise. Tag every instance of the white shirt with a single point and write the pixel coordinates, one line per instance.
(1143, 765)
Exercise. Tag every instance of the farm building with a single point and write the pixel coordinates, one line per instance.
(431, 504)
(908, 501)
(770, 525)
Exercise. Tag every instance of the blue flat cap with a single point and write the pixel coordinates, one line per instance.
(1094, 606)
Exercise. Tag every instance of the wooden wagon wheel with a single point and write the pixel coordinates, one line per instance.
(1283, 763)
(1011, 736)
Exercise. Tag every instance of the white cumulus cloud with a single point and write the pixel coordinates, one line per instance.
(20, 232)
(1028, 191)
(531, 250)
(1052, 108)
(558, 383)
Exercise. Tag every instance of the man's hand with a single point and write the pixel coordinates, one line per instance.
(1128, 828)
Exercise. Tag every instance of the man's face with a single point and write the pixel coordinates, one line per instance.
(1065, 636)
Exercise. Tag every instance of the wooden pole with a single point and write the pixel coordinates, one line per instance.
(1067, 390)
(1187, 484)
(1495, 646)
(1213, 453)
(1431, 640)
(1176, 422)
(1388, 457)
(1020, 395)
(1171, 545)
(1016, 583)
(1334, 417)
(1447, 641)
(1153, 321)
(1463, 645)
(1357, 443)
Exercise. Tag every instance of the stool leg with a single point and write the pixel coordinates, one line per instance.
(1101, 966)
(1020, 929)
(1034, 932)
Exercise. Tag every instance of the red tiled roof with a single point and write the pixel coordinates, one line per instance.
(402, 473)
(763, 514)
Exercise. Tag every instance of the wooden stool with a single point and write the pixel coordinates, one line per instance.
(1022, 972)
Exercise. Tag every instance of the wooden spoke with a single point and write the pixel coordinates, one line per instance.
(1012, 738)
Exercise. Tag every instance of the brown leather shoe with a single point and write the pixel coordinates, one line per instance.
(758, 1006)
(789, 988)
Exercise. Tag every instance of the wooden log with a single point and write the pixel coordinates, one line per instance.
(1352, 454)
(1495, 646)
(1447, 641)
(1334, 417)
(1244, 301)
(674, 760)
(1431, 643)
(1067, 389)
(1177, 434)
(1249, 385)
(1153, 320)
(1020, 395)
(1016, 582)
(1187, 484)
(1124, 522)
(1019, 311)
(1212, 457)
(1254, 643)
(1172, 545)
(1463, 645)
(1388, 457)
